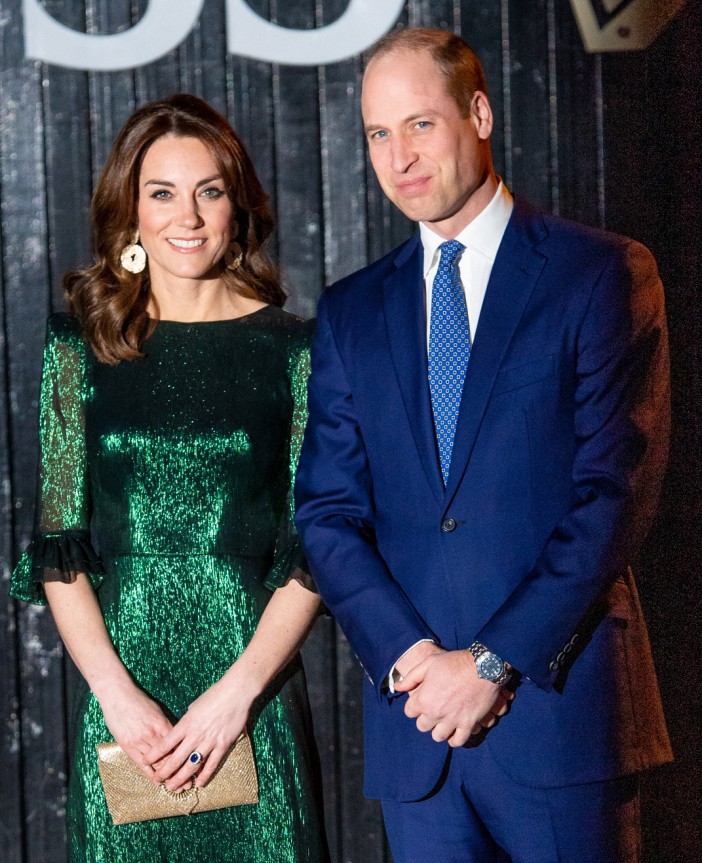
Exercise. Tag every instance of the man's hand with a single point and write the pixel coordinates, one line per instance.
(447, 697)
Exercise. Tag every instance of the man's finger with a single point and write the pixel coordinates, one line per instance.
(459, 737)
(442, 732)
(412, 679)
(424, 723)
(412, 711)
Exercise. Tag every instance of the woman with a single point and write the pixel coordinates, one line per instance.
(172, 407)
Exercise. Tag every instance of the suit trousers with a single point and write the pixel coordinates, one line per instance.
(477, 814)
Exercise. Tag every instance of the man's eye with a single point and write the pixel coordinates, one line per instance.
(379, 135)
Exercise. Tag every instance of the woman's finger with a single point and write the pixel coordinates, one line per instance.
(178, 764)
(138, 758)
(161, 748)
(211, 764)
(185, 776)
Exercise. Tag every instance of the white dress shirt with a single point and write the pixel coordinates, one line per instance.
(482, 238)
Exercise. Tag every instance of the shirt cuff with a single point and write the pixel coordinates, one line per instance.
(394, 675)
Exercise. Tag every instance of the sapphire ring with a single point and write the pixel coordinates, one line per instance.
(195, 758)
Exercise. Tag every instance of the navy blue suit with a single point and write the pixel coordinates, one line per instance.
(559, 451)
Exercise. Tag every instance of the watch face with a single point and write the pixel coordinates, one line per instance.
(490, 667)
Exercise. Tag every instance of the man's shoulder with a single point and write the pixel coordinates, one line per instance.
(582, 255)
(560, 233)
(367, 280)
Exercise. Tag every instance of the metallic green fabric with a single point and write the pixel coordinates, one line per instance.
(181, 465)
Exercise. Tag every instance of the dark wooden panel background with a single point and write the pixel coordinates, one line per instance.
(611, 140)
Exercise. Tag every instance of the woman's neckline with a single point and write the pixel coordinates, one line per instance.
(245, 317)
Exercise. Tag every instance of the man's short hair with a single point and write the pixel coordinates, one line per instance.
(457, 62)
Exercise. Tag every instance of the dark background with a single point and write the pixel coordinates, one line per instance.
(611, 140)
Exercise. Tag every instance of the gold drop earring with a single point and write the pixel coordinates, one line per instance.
(133, 257)
(234, 256)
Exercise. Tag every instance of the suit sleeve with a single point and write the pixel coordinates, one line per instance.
(334, 514)
(621, 426)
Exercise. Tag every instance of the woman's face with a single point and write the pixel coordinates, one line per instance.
(185, 215)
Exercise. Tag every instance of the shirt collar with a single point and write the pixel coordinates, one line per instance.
(483, 234)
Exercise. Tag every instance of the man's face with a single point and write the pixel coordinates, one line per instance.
(433, 164)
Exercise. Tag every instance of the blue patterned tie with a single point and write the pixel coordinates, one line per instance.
(449, 349)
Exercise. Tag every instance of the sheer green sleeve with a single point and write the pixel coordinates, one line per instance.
(289, 561)
(60, 547)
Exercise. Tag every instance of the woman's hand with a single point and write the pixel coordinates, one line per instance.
(211, 725)
(136, 722)
(217, 718)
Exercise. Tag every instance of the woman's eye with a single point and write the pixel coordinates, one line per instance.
(161, 194)
(213, 192)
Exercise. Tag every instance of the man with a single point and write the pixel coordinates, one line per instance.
(489, 413)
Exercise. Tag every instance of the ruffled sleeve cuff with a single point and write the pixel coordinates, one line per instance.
(290, 564)
(55, 557)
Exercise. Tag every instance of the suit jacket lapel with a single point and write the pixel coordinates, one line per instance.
(405, 319)
(516, 270)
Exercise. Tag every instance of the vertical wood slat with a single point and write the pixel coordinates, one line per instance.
(11, 765)
(66, 113)
(250, 106)
(155, 80)
(481, 27)
(320, 657)
(202, 64)
(298, 179)
(26, 287)
(112, 95)
(575, 143)
(11, 768)
(529, 101)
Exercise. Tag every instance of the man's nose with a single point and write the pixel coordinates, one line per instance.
(403, 154)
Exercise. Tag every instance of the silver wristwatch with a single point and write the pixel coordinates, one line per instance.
(489, 666)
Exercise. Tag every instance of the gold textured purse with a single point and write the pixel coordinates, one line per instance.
(131, 797)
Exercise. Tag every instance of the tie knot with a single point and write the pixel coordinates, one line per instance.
(450, 252)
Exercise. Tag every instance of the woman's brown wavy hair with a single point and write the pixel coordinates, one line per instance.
(111, 303)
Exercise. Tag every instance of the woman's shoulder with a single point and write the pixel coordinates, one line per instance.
(64, 334)
(292, 329)
(63, 326)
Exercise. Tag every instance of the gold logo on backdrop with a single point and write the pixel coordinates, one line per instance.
(622, 25)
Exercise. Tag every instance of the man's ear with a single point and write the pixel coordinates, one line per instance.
(481, 114)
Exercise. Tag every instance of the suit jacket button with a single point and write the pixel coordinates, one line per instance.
(448, 524)
(553, 666)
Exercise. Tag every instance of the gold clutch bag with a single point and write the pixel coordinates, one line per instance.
(131, 797)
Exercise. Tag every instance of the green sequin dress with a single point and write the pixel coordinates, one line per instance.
(168, 481)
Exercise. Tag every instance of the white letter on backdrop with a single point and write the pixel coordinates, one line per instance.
(363, 22)
(163, 26)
